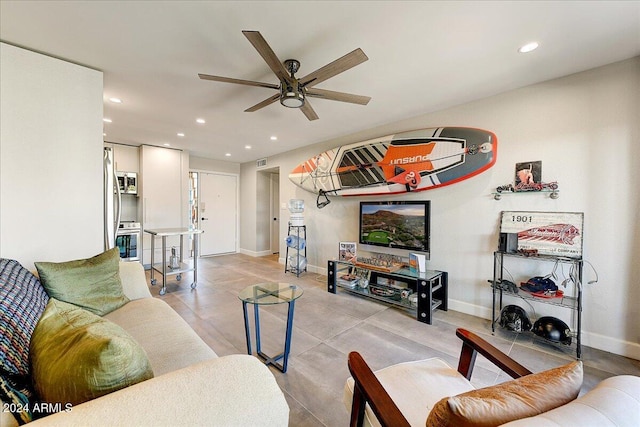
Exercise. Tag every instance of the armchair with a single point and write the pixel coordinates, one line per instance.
(412, 393)
(368, 389)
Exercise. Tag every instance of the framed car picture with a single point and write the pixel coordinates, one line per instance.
(548, 233)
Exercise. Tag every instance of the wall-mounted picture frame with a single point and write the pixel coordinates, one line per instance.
(548, 233)
(528, 172)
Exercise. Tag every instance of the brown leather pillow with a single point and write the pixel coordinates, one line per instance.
(520, 398)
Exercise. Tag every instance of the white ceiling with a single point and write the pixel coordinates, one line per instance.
(423, 56)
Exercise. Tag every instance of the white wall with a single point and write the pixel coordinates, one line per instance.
(211, 165)
(50, 158)
(585, 130)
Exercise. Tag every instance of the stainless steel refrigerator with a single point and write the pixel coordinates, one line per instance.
(112, 200)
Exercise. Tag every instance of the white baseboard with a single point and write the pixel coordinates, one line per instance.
(612, 345)
(471, 309)
(597, 341)
(310, 268)
(254, 253)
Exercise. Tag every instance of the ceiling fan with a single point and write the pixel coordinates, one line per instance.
(293, 91)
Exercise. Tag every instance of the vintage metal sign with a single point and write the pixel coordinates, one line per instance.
(549, 233)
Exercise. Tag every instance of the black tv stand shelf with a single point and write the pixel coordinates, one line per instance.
(429, 289)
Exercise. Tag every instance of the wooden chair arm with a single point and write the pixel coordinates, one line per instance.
(472, 344)
(367, 389)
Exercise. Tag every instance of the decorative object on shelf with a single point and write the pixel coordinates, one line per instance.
(381, 262)
(174, 263)
(552, 329)
(417, 262)
(515, 318)
(528, 173)
(409, 161)
(528, 179)
(550, 233)
(347, 251)
(548, 187)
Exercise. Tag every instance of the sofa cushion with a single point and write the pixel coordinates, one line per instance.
(523, 397)
(614, 401)
(170, 342)
(93, 283)
(78, 356)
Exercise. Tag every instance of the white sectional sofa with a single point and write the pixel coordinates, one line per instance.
(192, 386)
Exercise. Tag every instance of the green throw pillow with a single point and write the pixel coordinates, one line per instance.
(77, 356)
(92, 283)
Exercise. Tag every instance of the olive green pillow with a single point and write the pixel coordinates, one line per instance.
(92, 283)
(511, 400)
(77, 356)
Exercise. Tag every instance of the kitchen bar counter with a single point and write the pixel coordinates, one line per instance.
(183, 267)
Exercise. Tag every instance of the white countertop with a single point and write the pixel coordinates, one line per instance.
(172, 231)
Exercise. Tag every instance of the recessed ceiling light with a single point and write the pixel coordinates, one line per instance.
(201, 121)
(248, 147)
(228, 154)
(528, 47)
(104, 134)
(107, 120)
(180, 134)
(116, 100)
(166, 144)
(274, 138)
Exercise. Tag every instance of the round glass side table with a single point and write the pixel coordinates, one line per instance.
(269, 294)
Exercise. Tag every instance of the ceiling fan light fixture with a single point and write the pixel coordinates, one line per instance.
(292, 98)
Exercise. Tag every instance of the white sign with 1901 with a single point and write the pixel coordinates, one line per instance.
(549, 233)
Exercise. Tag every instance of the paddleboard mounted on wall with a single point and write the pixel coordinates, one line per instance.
(404, 162)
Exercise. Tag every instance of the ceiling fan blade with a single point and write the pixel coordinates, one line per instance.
(263, 48)
(263, 104)
(336, 67)
(337, 96)
(238, 81)
(308, 111)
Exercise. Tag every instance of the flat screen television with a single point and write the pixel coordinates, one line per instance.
(398, 224)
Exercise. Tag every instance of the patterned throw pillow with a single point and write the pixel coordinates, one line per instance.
(22, 302)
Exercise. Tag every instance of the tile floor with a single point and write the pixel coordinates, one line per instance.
(327, 327)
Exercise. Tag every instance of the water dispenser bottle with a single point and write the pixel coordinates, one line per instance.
(296, 242)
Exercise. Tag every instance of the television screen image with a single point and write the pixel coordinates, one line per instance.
(402, 225)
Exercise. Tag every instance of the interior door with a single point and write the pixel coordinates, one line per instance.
(218, 213)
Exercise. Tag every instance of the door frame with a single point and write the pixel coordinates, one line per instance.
(237, 176)
(274, 210)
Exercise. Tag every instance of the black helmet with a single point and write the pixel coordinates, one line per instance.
(514, 318)
(552, 329)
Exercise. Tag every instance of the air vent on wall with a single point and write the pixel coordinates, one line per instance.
(260, 163)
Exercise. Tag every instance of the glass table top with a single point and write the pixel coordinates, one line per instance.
(270, 293)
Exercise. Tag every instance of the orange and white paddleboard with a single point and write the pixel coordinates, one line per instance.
(409, 161)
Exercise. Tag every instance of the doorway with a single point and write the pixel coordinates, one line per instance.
(218, 213)
(274, 188)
